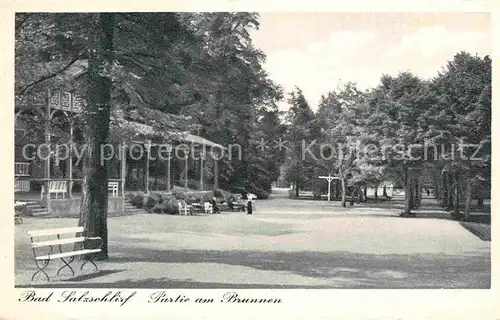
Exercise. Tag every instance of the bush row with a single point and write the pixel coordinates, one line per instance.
(158, 202)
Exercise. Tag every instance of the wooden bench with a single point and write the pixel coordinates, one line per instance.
(113, 188)
(56, 187)
(184, 208)
(208, 208)
(53, 238)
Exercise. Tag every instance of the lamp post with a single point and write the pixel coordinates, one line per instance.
(329, 178)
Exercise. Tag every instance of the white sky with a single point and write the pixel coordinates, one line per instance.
(320, 51)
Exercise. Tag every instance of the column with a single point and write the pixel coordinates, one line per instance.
(47, 143)
(146, 175)
(186, 153)
(216, 173)
(329, 187)
(123, 166)
(202, 155)
(169, 154)
(70, 156)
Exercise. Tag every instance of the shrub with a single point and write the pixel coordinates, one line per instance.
(138, 201)
(130, 197)
(158, 197)
(159, 208)
(218, 193)
(206, 197)
(168, 197)
(172, 207)
(180, 195)
(149, 201)
(23, 210)
(191, 199)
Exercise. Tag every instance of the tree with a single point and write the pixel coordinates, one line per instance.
(300, 131)
(463, 91)
(233, 96)
(109, 81)
(94, 207)
(339, 112)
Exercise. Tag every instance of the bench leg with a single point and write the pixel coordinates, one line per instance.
(67, 264)
(40, 269)
(91, 261)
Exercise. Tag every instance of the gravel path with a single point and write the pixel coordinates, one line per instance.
(284, 244)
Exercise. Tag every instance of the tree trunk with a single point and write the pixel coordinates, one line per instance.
(376, 193)
(468, 198)
(444, 190)
(408, 194)
(384, 192)
(296, 185)
(457, 199)
(94, 201)
(343, 203)
(437, 187)
(365, 193)
(450, 193)
(157, 174)
(416, 198)
(360, 195)
(353, 194)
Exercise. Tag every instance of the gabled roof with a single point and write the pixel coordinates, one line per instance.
(147, 130)
(200, 140)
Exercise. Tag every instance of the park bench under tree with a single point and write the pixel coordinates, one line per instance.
(208, 207)
(52, 238)
(184, 208)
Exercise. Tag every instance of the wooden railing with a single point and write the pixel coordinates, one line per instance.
(21, 169)
(22, 185)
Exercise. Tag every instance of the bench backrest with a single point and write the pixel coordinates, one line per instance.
(57, 186)
(50, 232)
(208, 206)
(112, 185)
(113, 188)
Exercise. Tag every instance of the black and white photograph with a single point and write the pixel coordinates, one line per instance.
(249, 150)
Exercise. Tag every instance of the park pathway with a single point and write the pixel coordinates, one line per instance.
(284, 244)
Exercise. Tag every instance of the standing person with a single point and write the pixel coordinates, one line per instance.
(214, 205)
(251, 197)
(249, 206)
(428, 192)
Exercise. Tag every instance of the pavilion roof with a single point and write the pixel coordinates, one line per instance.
(148, 131)
(79, 67)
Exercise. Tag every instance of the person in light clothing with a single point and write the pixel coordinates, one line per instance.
(251, 202)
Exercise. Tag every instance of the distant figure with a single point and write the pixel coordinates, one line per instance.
(428, 192)
(249, 207)
(251, 197)
(214, 206)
